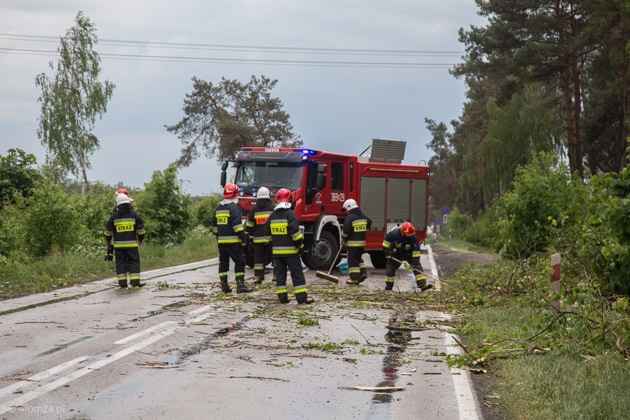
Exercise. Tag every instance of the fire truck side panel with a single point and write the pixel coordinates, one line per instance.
(419, 207)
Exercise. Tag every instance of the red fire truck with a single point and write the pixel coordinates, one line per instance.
(387, 191)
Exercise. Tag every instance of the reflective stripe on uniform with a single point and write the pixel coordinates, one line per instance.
(303, 290)
(356, 243)
(228, 239)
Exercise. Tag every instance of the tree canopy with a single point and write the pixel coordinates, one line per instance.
(72, 99)
(220, 119)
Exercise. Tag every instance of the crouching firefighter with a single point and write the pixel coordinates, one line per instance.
(353, 234)
(127, 229)
(283, 228)
(228, 228)
(255, 227)
(399, 245)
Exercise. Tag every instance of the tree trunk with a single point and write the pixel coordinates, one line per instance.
(577, 116)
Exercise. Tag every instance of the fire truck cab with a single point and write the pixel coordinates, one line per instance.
(388, 192)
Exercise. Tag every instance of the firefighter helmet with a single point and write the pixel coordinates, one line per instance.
(230, 191)
(122, 199)
(407, 229)
(263, 192)
(350, 204)
(121, 191)
(283, 196)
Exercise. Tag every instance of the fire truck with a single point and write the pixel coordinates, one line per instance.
(388, 192)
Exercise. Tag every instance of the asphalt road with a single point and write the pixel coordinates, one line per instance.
(179, 348)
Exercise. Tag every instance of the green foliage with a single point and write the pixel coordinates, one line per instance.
(166, 212)
(73, 99)
(607, 236)
(543, 192)
(17, 177)
(50, 221)
(458, 222)
(203, 211)
(220, 119)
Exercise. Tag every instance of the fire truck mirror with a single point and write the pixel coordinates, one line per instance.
(224, 166)
(223, 178)
(321, 176)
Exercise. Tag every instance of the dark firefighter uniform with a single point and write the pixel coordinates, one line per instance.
(255, 227)
(127, 229)
(403, 248)
(353, 233)
(286, 240)
(228, 227)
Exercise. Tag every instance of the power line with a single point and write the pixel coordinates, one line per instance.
(248, 48)
(241, 60)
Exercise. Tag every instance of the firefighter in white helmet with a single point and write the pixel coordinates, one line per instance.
(353, 234)
(255, 228)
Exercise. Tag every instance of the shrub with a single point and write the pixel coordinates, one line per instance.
(165, 211)
(203, 211)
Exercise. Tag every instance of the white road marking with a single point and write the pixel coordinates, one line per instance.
(145, 332)
(24, 398)
(437, 285)
(461, 384)
(40, 376)
(200, 310)
(21, 400)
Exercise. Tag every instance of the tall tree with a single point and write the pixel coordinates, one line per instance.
(220, 119)
(541, 41)
(444, 189)
(72, 100)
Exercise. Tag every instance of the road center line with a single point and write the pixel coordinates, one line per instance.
(40, 376)
(24, 398)
(21, 400)
(144, 332)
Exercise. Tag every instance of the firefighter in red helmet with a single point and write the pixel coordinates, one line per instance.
(228, 227)
(287, 240)
(403, 245)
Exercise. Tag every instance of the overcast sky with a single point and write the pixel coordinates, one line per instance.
(333, 107)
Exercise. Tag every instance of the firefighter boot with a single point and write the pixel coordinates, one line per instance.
(137, 283)
(260, 276)
(389, 285)
(122, 284)
(240, 285)
(423, 285)
(225, 288)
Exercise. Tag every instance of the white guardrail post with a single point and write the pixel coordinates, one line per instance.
(554, 287)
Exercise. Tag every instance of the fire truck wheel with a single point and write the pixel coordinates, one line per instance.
(321, 253)
(378, 259)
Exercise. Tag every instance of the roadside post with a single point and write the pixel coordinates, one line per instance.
(554, 287)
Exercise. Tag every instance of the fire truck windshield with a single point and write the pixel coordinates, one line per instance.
(273, 175)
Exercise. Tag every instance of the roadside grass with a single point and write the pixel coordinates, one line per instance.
(462, 246)
(544, 364)
(564, 385)
(19, 278)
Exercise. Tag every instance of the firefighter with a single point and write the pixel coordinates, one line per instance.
(353, 235)
(127, 229)
(228, 228)
(286, 239)
(402, 244)
(255, 227)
